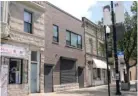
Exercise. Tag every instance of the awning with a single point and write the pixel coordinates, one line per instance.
(100, 64)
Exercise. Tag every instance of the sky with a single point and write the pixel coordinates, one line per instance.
(90, 9)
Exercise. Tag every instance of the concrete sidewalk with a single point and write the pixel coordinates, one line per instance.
(91, 91)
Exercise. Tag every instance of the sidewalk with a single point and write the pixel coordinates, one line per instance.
(91, 91)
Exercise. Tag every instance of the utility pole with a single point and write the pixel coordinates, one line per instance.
(106, 37)
(115, 51)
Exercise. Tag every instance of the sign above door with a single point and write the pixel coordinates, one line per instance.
(14, 51)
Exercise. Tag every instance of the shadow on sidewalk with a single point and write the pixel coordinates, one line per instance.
(97, 92)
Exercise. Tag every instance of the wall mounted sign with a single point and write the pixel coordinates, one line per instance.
(14, 51)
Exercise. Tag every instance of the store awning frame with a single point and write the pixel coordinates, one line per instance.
(100, 64)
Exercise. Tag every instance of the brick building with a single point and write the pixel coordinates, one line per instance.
(64, 50)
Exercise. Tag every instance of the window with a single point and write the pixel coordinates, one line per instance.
(55, 33)
(73, 39)
(94, 73)
(15, 71)
(91, 45)
(68, 38)
(27, 22)
(33, 56)
(98, 73)
(79, 42)
(104, 73)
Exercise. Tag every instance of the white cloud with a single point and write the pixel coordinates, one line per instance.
(77, 8)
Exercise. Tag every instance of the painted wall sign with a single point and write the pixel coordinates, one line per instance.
(10, 50)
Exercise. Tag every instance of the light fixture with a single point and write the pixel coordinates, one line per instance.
(107, 30)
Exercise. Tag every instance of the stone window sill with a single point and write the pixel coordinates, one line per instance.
(53, 42)
(73, 47)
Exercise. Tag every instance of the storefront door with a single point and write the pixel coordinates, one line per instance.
(48, 77)
(81, 77)
(33, 78)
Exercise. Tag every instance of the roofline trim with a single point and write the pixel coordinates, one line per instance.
(92, 23)
(63, 11)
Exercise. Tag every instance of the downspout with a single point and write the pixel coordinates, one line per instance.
(84, 47)
(97, 43)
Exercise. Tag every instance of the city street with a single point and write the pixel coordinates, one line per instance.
(68, 48)
(91, 91)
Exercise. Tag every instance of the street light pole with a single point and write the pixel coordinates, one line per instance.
(106, 37)
(115, 51)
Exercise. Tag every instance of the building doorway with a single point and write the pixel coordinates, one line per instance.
(81, 77)
(67, 71)
(48, 78)
(35, 62)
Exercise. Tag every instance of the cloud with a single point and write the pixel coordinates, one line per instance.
(77, 8)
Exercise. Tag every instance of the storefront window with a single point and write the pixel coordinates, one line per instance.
(104, 73)
(99, 73)
(94, 73)
(15, 71)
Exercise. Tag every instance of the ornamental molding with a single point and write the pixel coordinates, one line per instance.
(26, 38)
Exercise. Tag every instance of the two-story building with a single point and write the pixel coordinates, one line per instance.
(95, 68)
(22, 47)
(64, 50)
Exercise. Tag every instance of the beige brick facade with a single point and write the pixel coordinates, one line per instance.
(93, 38)
(18, 37)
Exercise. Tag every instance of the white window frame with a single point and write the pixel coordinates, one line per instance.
(20, 70)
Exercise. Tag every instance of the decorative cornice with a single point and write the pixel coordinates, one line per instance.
(34, 5)
(27, 34)
(84, 19)
(96, 56)
(26, 38)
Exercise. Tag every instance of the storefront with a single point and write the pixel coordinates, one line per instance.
(99, 72)
(14, 69)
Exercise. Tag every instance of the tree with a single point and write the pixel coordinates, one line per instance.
(129, 43)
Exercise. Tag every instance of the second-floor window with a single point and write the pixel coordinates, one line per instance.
(55, 33)
(27, 22)
(73, 39)
(91, 45)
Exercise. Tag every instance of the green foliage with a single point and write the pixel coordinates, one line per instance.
(111, 60)
(134, 8)
(129, 43)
